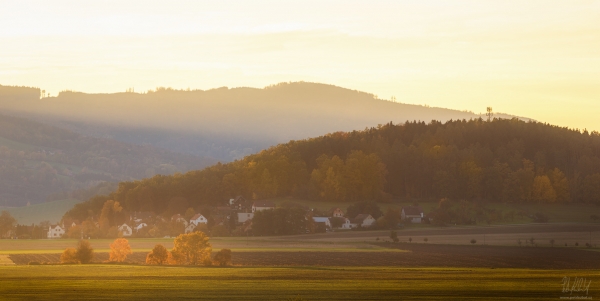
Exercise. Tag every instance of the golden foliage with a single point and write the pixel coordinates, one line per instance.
(542, 190)
(119, 250)
(69, 256)
(158, 255)
(176, 258)
(193, 247)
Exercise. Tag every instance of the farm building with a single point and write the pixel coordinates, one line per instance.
(362, 220)
(412, 213)
(260, 206)
(243, 217)
(239, 203)
(55, 231)
(179, 218)
(190, 228)
(337, 212)
(198, 219)
(324, 220)
(142, 216)
(140, 226)
(126, 230)
(346, 224)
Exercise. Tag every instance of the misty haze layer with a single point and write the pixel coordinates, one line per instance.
(222, 123)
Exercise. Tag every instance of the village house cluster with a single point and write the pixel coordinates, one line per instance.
(410, 214)
(243, 211)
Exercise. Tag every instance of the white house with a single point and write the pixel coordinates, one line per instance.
(190, 228)
(125, 230)
(179, 218)
(260, 206)
(324, 220)
(68, 223)
(362, 220)
(412, 213)
(198, 219)
(346, 224)
(55, 231)
(337, 212)
(239, 203)
(140, 226)
(142, 216)
(243, 217)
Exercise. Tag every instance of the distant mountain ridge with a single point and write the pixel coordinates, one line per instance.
(222, 123)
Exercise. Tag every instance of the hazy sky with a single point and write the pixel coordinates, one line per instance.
(539, 59)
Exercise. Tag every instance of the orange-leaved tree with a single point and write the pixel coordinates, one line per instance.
(193, 247)
(158, 255)
(69, 256)
(223, 257)
(176, 258)
(119, 250)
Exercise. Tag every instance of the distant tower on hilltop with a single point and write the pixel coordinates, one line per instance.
(489, 114)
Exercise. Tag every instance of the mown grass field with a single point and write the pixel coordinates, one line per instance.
(107, 282)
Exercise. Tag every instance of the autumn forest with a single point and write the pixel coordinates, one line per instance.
(498, 161)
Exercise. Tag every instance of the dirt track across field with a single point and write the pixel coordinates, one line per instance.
(420, 255)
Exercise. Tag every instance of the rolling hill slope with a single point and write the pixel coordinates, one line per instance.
(37, 160)
(503, 161)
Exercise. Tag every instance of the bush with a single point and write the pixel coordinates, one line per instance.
(69, 256)
(473, 241)
(223, 257)
(119, 250)
(393, 236)
(85, 253)
(158, 255)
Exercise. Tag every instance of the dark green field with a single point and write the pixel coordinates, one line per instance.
(107, 282)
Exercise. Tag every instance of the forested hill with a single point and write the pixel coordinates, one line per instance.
(222, 123)
(37, 161)
(501, 160)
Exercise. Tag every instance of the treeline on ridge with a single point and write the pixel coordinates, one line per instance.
(499, 160)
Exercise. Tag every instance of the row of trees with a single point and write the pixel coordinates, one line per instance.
(189, 249)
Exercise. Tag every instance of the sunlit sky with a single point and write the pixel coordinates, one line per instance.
(539, 59)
